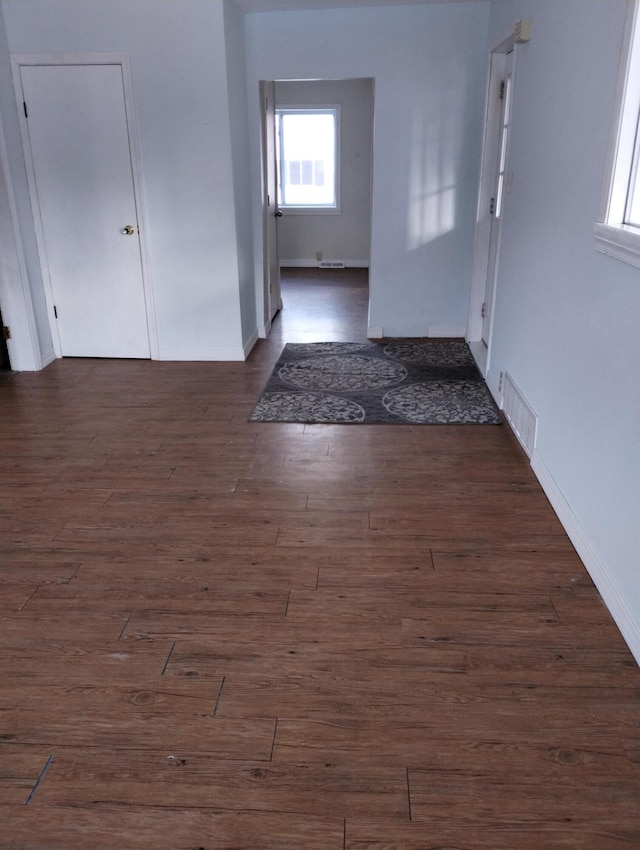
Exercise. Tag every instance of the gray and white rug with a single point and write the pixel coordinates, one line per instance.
(424, 382)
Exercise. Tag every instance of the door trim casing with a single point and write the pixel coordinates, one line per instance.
(496, 65)
(271, 260)
(19, 60)
(15, 294)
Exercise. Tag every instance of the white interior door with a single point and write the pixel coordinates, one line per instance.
(273, 295)
(501, 186)
(85, 198)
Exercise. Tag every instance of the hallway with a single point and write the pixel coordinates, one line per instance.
(221, 634)
(322, 306)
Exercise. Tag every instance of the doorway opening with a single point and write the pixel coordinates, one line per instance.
(322, 305)
(302, 241)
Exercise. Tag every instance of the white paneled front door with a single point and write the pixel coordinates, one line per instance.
(84, 197)
(501, 186)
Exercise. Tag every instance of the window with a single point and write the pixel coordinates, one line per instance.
(618, 226)
(308, 159)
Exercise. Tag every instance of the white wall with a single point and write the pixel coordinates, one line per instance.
(178, 58)
(428, 63)
(347, 236)
(566, 317)
(21, 293)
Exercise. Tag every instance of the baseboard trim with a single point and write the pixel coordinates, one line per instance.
(479, 351)
(314, 264)
(613, 599)
(263, 331)
(203, 354)
(493, 383)
(249, 344)
(441, 331)
(48, 357)
(433, 332)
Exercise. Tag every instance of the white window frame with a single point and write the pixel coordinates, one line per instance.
(612, 235)
(297, 209)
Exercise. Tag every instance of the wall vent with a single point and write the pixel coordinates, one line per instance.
(331, 264)
(520, 416)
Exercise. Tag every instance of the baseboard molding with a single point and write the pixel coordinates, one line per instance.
(263, 331)
(314, 264)
(613, 599)
(432, 332)
(48, 357)
(249, 344)
(203, 354)
(441, 331)
(479, 351)
(493, 383)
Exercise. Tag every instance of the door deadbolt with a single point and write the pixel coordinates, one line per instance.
(128, 230)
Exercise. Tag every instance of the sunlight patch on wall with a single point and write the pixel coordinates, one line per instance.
(432, 178)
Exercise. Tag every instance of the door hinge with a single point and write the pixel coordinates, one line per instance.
(483, 311)
(6, 331)
(55, 311)
(502, 90)
(24, 106)
(492, 206)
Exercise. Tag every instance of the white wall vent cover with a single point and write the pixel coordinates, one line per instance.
(520, 416)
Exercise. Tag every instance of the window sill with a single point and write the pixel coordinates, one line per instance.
(310, 210)
(621, 242)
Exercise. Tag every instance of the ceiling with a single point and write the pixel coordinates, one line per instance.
(301, 5)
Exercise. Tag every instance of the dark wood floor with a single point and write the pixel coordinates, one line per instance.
(219, 634)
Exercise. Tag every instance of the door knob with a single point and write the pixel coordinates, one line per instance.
(128, 230)
(278, 214)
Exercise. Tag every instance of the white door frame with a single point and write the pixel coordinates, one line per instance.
(271, 258)
(15, 294)
(484, 219)
(264, 330)
(17, 61)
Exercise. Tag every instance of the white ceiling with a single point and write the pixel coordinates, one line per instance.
(300, 5)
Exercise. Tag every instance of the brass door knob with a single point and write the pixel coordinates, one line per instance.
(128, 230)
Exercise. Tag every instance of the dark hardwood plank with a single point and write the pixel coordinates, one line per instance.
(451, 799)
(191, 779)
(81, 661)
(159, 717)
(371, 835)
(20, 768)
(108, 826)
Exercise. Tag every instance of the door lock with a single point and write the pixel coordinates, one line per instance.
(128, 230)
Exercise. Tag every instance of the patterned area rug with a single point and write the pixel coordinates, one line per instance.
(426, 383)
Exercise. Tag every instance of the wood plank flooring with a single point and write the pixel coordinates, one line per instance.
(219, 634)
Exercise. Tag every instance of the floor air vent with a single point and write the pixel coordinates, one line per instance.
(331, 264)
(520, 416)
